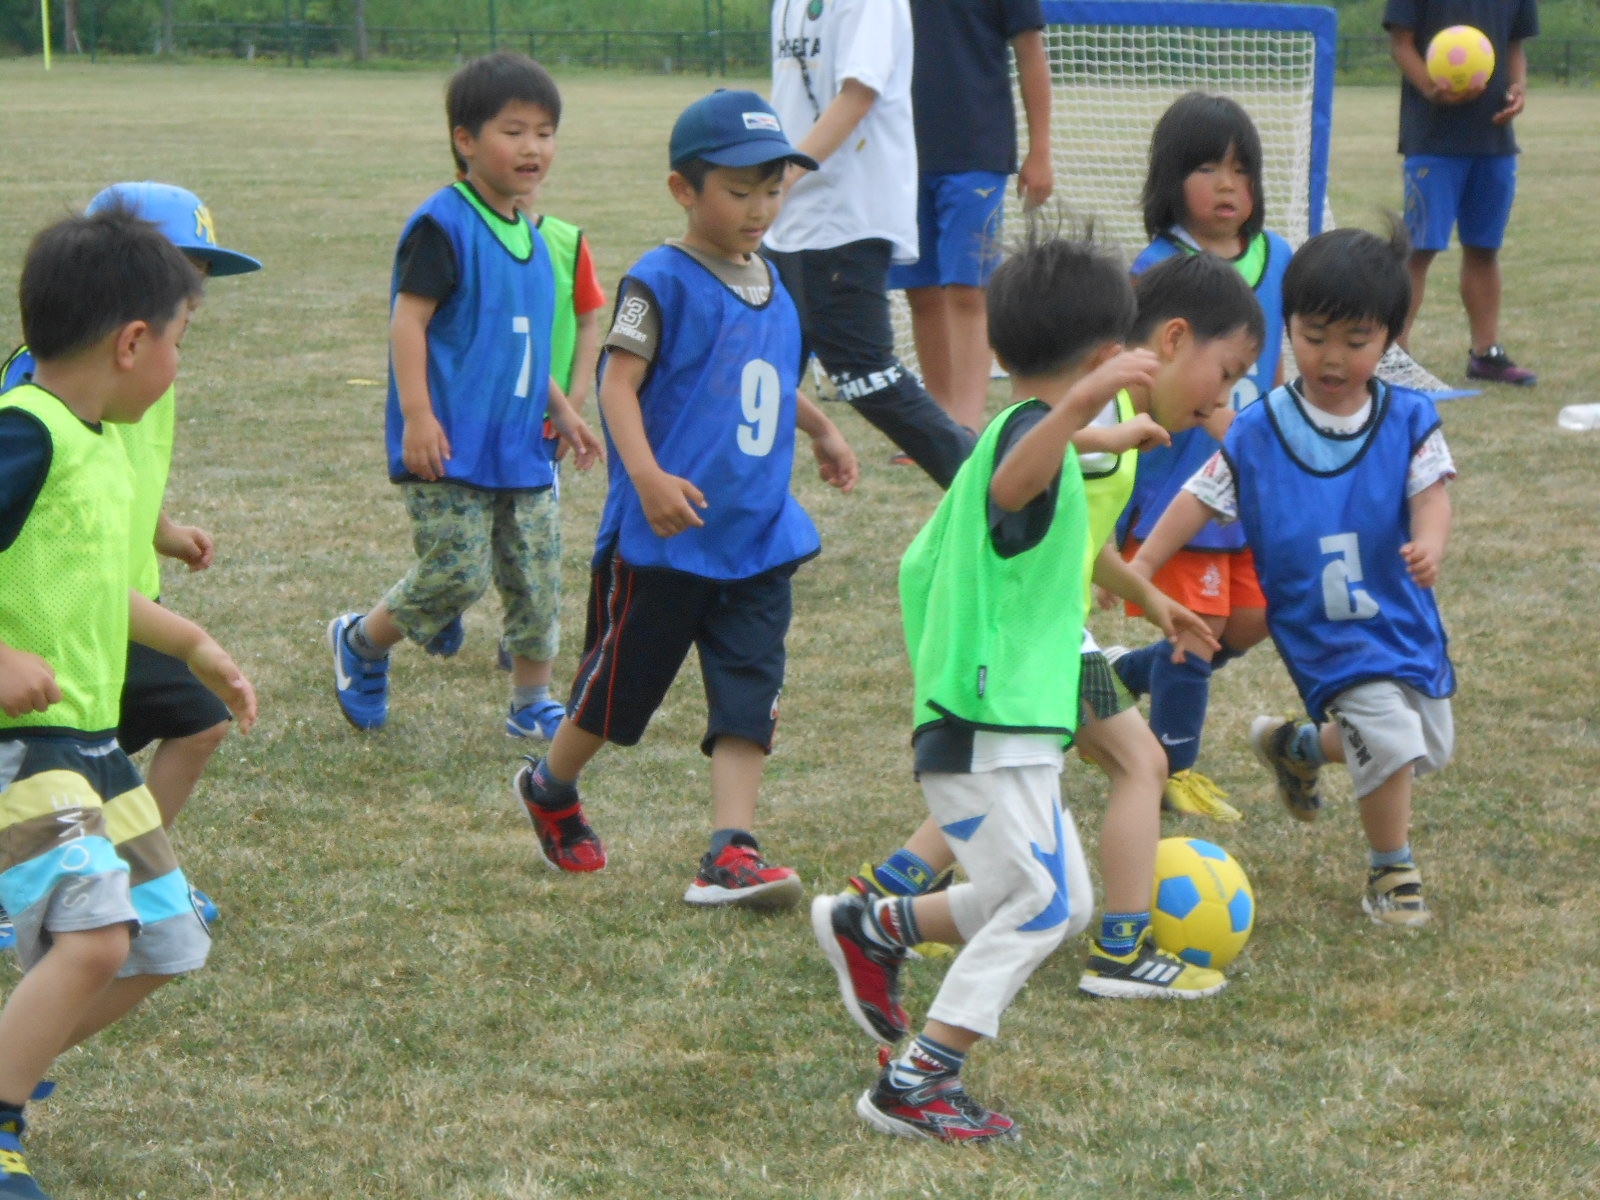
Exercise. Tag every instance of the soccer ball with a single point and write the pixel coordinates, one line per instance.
(1203, 907)
(1460, 58)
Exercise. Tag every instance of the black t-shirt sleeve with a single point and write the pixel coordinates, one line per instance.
(1012, 533)
(425, 264)
(25, 451)
(1019, 16)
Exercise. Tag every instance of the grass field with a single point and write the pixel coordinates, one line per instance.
(403, 1003)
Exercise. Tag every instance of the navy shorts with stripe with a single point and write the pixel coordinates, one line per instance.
(640, 627)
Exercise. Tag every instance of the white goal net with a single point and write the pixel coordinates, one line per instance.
(1115, 67)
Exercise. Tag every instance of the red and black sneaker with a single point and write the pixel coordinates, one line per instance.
(869, 974)
(738, 876)
(937, 1108)
(565, 840)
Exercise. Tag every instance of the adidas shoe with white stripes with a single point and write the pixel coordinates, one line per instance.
(1147, 973)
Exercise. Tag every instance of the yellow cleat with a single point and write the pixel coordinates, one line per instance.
(1191, 792)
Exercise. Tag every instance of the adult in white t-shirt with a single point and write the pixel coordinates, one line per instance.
(841, 85)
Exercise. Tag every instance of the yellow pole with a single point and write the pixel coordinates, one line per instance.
(44, 29)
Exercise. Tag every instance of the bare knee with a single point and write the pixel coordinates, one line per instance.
(94, 955)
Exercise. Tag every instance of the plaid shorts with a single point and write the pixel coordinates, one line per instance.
(1101, 694)
(465, 537)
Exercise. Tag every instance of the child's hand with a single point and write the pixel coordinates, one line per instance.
(1422, 562)
(424, 448)
(213, 667)
(1141, 432)
(189, 544)
(1440, 94)
(1516, 100)
(1187, 631)
(27, 683)
(1125, 369)
(587, 448)
(836, 462)
(669, 503)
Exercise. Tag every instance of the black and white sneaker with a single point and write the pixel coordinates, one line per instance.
(1147, 972)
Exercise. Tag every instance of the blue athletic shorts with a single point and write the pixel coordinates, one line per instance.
(1471, 192)
(958, 230)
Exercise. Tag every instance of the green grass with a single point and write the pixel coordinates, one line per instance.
(403, 1003)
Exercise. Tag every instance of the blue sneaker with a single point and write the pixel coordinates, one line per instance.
(539, 720)
(204, 905)
(362, 687)
(16, 1180)
(447, 642)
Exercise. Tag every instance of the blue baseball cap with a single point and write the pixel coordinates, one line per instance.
(732, 129)
(179, 214)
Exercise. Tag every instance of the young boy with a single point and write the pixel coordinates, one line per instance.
(574, 353)
(992, 594)
(700, 535)
(469, 380)
(1201, 321)
(162, 701)
(85, 864)
(1339, 482)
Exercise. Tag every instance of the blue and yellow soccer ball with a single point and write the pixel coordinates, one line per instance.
(1203, 908)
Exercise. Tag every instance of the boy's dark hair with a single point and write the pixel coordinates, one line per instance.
(1205, 291)
(1196, 130)
(478, 91)
(695, 171)
(86, 277)
(1352, 275)
(1056, 298)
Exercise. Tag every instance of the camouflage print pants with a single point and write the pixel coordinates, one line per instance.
(464, 537)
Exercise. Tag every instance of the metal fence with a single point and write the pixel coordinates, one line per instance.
(716, 52)
(1567, 60)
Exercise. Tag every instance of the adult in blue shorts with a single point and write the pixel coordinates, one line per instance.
(1461, 160)
(966, 152)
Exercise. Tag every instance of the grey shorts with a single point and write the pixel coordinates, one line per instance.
(1101, 694)
(1386, 726)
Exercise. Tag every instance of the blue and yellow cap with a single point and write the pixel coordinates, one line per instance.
(179, 214)
(732, 129)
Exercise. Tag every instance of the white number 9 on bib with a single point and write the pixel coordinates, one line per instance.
(761, 397)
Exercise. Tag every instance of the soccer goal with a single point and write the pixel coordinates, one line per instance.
(1116, 65)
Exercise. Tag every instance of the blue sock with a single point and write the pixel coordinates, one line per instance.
(1225, 656)
(904, 874)
(721, 839)
(923, 1059)
(1119, 932)
(551, 793)
(1392, 858)
(521, 697)
(1306, 746)
(356, 638)
(1178, 696)
(1134, 667)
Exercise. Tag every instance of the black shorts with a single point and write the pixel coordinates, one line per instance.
(161, 698)
(639, 630)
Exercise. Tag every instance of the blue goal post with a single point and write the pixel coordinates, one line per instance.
(1117, 64)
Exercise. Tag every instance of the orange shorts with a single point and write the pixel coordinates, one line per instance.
(1213, 583)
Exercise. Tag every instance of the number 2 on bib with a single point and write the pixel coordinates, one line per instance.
(1343, 597)
(761, 399)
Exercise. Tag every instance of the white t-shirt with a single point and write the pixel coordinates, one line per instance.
(867, 188)
(1213, 484)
